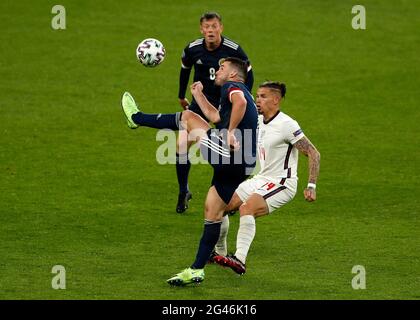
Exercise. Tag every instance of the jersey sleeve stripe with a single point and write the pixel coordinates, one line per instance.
(230, 40)
(297, 136)
(234, 90)
(230, 43)
(196, 43)
(231, 46)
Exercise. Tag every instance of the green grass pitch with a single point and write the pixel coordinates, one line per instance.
(79, 189)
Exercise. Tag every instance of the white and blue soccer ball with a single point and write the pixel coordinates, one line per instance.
(150, 52)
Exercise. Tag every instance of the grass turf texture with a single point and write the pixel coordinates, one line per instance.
(78, 188)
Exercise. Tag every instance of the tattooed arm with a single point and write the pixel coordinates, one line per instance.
(308, 149)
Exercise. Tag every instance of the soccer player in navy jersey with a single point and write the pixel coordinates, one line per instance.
(230, 148)
(204, 55)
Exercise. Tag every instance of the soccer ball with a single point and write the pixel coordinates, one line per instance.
(150, 52)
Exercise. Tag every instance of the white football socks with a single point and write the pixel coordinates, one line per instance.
(246, 233)
(221, 245)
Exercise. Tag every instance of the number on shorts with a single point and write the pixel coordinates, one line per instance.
(268, 186)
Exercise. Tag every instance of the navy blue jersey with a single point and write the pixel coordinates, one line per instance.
(206, 63)
(247, 135)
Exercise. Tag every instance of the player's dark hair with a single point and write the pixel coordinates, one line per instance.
(274, 85)
(238, 64)
(210, 15)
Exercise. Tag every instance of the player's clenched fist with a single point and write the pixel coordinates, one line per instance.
(310, 194)
(196, 87)
(232, 142)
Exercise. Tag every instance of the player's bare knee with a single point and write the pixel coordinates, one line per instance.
(211, 215)
(245, 209)
(186, 115)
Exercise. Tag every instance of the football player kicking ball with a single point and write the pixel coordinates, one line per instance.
(279, 140)
(204, 55)
(230, 148)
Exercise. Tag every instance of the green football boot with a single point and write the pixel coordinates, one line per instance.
(129, 107)
(187, 276)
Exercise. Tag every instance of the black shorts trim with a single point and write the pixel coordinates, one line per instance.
(272, 193)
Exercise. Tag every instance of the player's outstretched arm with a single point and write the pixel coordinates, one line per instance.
(208, 109)
(305, 146)
(184, 77)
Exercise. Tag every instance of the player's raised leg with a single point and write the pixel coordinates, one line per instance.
(136, 118)
(130, 108)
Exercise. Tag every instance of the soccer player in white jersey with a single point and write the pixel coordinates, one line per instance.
(280, 138)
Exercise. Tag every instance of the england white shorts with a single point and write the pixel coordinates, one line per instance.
(276, 193)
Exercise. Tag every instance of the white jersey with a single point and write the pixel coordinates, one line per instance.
(278, 158)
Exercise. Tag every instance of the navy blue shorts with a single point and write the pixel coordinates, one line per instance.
(229, 168)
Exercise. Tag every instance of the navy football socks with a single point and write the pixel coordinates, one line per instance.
(183, 166)
(157, 121)
(208, 241)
